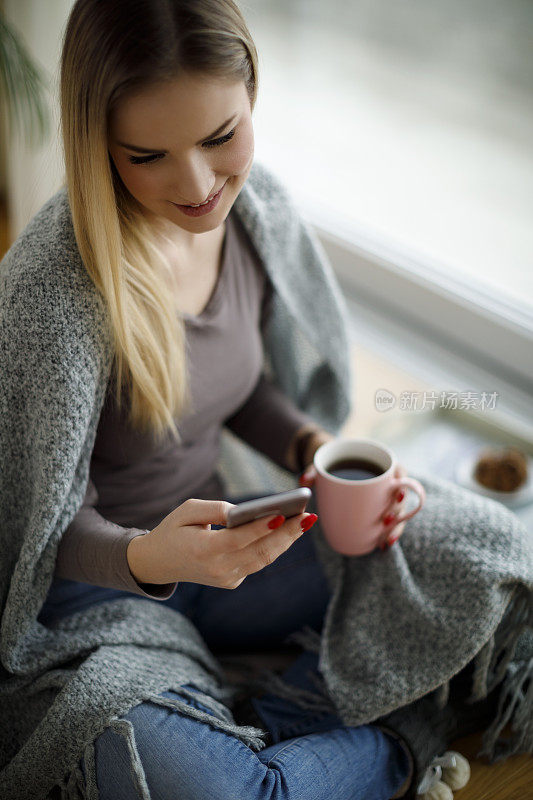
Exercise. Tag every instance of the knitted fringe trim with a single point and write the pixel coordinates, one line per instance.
(254, 681)
(307, 637)
(73, 787)
(76, 787)
(515, 706)
(502, 645)
(267, 681)
(442, 695)
(493, 667)
(311, 640)
(271, 683)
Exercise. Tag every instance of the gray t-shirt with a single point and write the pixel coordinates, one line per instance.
(133, 483)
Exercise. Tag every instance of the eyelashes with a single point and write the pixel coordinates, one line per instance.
(145, 159)
(222, 140)
(156, 156)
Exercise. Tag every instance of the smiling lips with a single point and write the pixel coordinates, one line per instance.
(202, 208)
(197, 205)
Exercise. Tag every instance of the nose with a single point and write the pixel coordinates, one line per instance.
(194, 181)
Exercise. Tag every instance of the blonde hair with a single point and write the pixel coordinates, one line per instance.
(110, 48)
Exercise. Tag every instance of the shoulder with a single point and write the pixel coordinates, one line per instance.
(44, 285)
(265, 182)
(263, 188)
(268, 210)
(46, 247)
(265, 199)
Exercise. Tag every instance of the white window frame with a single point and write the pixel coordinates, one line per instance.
(445, 330)
(489, 331)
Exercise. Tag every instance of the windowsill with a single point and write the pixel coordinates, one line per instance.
(401, 359)
(373, 371)
(458, 315)
(427, 442)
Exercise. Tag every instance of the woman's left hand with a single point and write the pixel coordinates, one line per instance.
(396, 507)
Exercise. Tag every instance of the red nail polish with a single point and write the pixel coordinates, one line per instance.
(277, 521)
(400, 495)
(388, 519)
(393, 540)
(309, 521)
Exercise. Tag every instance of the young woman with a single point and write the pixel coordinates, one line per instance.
(161, 191)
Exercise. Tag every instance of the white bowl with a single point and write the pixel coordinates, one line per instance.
(464, 475)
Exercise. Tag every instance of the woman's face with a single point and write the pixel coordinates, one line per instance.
(196, 136)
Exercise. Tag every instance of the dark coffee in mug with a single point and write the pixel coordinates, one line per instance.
(355, 469)
(355, 485)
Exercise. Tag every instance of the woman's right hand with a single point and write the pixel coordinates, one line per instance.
(183, 547)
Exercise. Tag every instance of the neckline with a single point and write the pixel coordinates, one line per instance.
(214, 299)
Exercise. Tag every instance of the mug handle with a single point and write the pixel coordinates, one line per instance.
(416, 486)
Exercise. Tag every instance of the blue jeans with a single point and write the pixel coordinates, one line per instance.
(314, 756)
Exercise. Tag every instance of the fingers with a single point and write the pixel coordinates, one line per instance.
(393, 536)
(203, 512)
(242, 536)
(236, 552)
(393, 511)
(265, 550)
(395, 508)
(308, 477)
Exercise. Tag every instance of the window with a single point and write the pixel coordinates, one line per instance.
(404, 131)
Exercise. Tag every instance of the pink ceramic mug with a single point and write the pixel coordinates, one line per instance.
(351, 511)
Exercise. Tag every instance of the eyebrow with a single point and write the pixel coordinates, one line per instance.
(158, 150)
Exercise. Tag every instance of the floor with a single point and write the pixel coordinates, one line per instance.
(512, 780)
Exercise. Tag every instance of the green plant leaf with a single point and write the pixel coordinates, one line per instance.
(23, 88)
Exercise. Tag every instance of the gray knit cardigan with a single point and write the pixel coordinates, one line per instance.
(457, 586)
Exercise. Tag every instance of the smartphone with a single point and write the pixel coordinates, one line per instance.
(288, 503)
